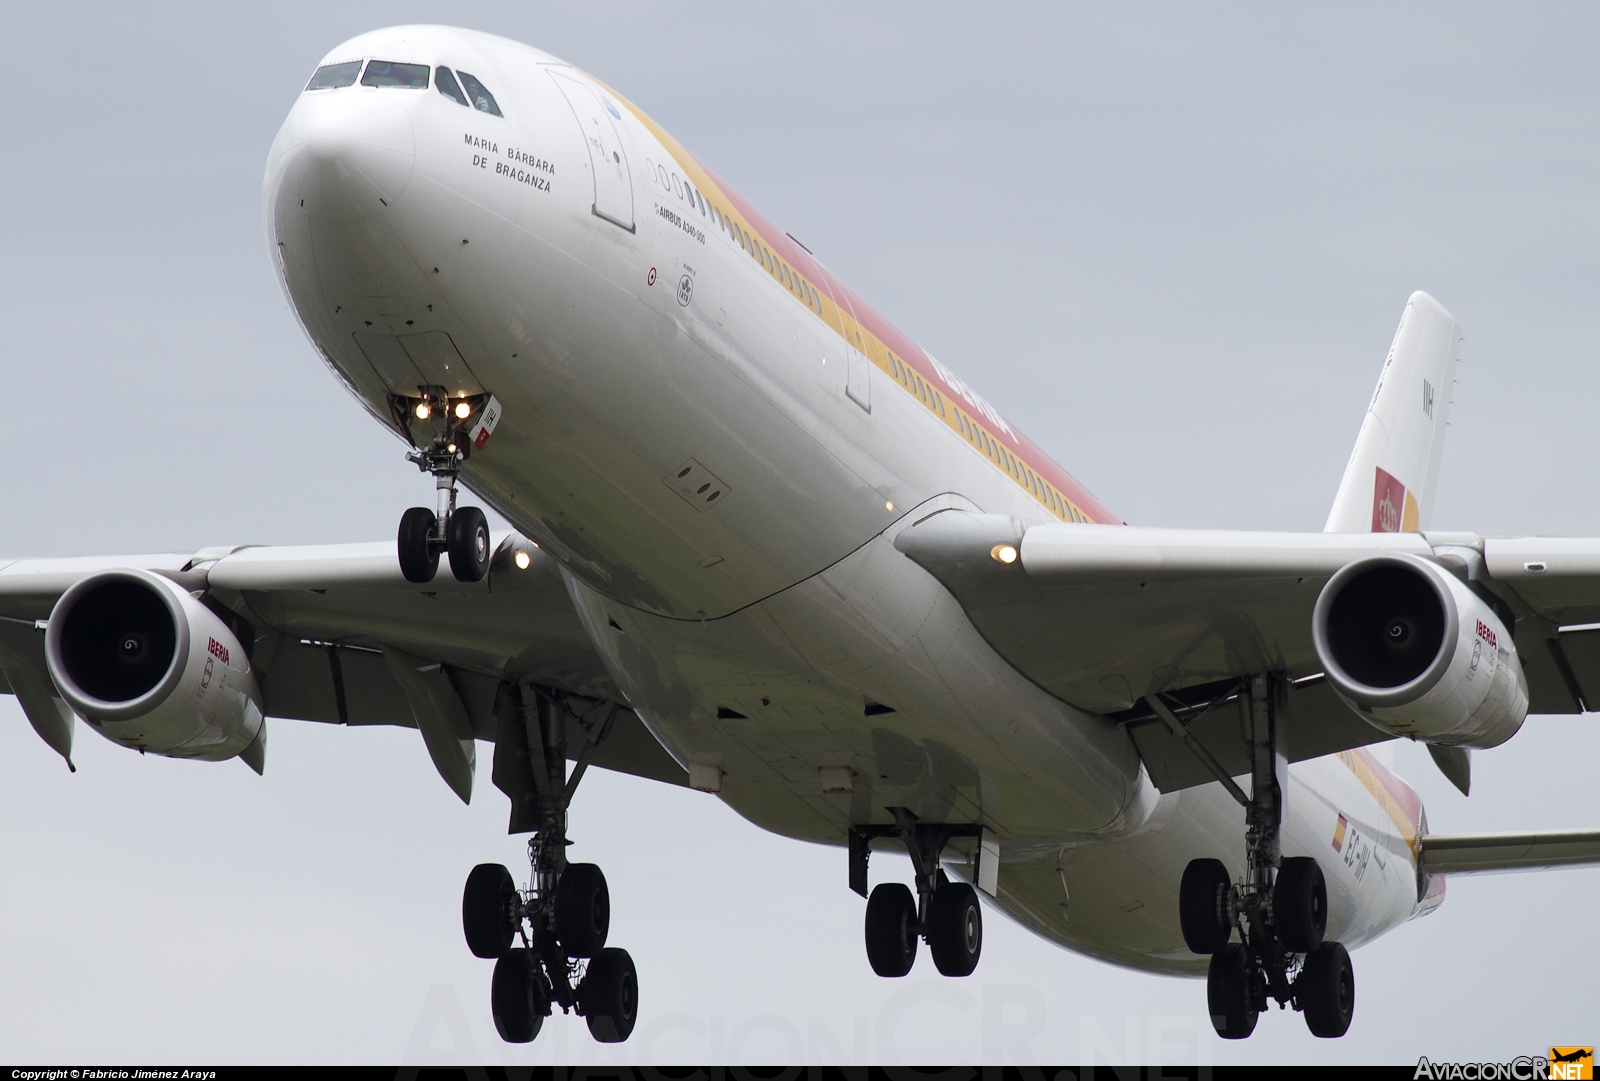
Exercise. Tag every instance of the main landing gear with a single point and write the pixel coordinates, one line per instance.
(943, 913)
(1280, 910)
(462, 534)
(548, 942)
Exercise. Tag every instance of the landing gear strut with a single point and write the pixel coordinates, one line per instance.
(462, 534)
(945, 914)
(562, 920)
(1280, 910)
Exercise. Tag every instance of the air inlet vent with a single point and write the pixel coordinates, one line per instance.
(697, 485)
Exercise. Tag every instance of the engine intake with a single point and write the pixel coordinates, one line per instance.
(1418, 654)
(150, 667)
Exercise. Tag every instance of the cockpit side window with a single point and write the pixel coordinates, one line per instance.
(388, 74)
(481, 98)
(333, 76)
(446, 82)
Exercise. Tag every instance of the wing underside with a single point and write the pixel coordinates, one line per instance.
(1105, 617)
(336, 635)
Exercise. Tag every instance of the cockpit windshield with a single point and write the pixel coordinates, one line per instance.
(481, 98)
(388, 74)
(446, 82)
(333, 76)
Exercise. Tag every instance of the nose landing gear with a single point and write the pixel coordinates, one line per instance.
(463, 535)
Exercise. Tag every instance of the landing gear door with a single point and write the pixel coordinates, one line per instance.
(613, 185)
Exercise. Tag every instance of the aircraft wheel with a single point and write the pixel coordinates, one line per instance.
(1228, 993)
(517, 997)
(1326, 990)
(487, 910)
(1300, 904)
(891, 929)
(1203, 906)
(469, 544)
(609, 996)
(955, 928)
(417, 562)
(583, 910)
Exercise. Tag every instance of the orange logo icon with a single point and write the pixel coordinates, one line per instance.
(1571, 1063)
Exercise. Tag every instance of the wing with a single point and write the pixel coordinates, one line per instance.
(336, 634)
(1555, 584)
(1105, 617)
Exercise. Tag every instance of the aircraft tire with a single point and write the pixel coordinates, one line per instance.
(955, 928)
(583, 910)
(486, 910)
(517, 997)
(891, 929)
(1228, 993)
(1326, 990)
(609, 996)
(468, 543)
(1203, 906)
(1300, 904)
(417, 562)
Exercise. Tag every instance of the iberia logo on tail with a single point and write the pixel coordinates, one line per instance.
(1394, 510)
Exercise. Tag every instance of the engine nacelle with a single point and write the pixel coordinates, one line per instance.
(1418, 654)
(150, 667)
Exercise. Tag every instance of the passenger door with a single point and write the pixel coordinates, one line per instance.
(613, 184)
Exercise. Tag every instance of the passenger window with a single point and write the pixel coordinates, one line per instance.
(333, 76)
(479, 94)
(387, 74)
(446, 82)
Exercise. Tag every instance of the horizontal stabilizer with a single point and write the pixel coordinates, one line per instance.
(1485, 853)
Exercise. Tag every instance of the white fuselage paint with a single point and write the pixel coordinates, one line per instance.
(627, 343)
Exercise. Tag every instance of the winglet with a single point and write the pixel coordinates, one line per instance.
(1388, 486)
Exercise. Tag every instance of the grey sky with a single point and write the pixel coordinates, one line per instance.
(1171, 243)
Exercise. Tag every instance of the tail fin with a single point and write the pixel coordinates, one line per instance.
(1389, 484)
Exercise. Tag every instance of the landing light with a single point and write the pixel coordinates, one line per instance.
(423, 411)
(462, 410)
(522, 560)
(1003, 553)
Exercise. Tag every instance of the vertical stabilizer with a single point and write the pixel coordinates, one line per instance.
(1388, 486)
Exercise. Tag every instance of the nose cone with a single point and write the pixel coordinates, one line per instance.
(342, 156)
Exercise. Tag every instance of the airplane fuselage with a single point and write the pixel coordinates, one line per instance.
(719, 442)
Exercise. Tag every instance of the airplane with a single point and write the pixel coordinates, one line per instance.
(824, 580)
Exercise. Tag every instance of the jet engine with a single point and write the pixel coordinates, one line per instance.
(1419, 654)
(150, 667)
